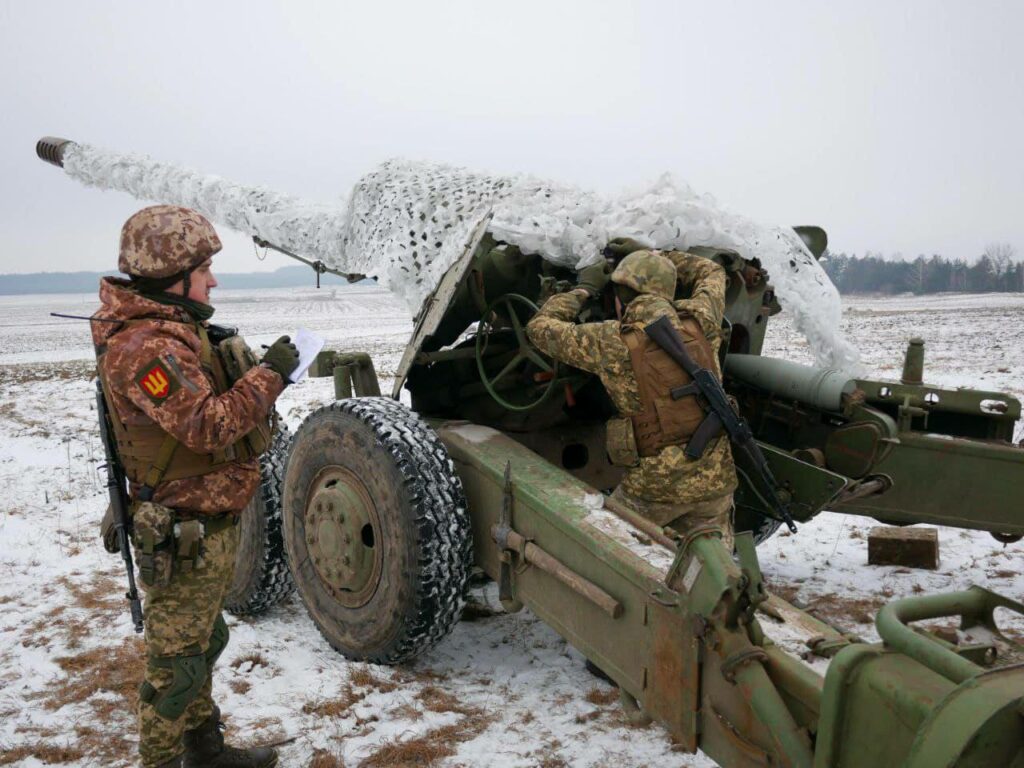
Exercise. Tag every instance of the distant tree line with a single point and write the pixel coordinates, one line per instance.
(996, 270)
(88, 282)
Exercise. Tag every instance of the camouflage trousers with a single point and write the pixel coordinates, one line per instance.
(180, 618)
(685, 517)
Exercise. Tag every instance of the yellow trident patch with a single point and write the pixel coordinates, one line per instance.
(156, 381)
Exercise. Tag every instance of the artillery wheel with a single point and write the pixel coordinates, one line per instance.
(261, 577)
(524, 358)
(376, 529)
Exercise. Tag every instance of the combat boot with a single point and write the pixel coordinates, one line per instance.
(205, 748)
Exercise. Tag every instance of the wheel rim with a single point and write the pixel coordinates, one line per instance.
(342, 530)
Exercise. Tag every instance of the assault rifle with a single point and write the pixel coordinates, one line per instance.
(118, 503)
(720, 413)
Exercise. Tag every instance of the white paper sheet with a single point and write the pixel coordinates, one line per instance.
(309, 346)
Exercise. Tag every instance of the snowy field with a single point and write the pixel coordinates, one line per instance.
(502, 689)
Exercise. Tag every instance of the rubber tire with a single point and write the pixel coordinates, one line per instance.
(262, 578)
(425, 528)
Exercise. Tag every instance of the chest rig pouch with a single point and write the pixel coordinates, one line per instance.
(230, 359)
(662, 420)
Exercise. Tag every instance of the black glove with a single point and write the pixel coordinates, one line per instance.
(594, 278)
(620, 247)
(282, 357)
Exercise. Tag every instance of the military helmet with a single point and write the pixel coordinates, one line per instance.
(647, 272)
(163, 241)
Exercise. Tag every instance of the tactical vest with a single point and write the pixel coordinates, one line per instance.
(151, 455)
(663, 421)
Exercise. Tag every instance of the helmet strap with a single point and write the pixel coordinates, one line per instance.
(625, 294)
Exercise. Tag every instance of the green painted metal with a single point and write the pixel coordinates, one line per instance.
(687, 648)
(810, 488)
(945, 481)
(944, 454)
(885, 708)
(975, 607)
(513, 310)
(340, 533)
(978, 725)
(821, 388)
(913, 363)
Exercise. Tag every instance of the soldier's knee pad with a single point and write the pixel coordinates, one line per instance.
(218, 641)
(188, 675)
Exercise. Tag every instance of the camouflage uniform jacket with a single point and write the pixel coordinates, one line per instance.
(669, 477)
(192, 412)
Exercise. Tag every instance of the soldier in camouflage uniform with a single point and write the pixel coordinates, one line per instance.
(181, 433)
(660, 483)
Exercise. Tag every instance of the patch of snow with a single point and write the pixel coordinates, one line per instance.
(636, 541)
(474, 433)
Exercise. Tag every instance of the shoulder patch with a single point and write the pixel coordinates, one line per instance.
(156, 381)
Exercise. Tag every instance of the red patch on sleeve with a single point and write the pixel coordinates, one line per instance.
(156, 382)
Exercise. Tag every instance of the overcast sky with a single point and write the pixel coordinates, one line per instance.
(896, 126)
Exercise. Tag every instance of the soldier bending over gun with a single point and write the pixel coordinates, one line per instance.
(651, 433)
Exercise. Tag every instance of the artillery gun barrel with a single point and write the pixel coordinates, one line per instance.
(821, 387)
(51, 150)
(311, 232)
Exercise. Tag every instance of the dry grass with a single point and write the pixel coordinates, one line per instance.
(114, 671)
(552, 761)
(602, 696)
(102, 593)
(321, 758)
(361, 677)
(255, 658)
(838, 610)
(834, 609)
(334, 707)
(46, 753)
(32, 373)
(117, 669)
(437, 743)
(432, 746)
(438, 700)
(405, 712)
(239, 686)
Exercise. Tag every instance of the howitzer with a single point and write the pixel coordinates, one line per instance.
(118, 492)
(691, 636)
(721, 415)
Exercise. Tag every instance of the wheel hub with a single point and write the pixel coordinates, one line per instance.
(341, 535)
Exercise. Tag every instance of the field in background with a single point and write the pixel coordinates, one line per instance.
(503, 689)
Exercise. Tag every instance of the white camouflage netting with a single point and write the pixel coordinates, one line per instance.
(407, 222)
